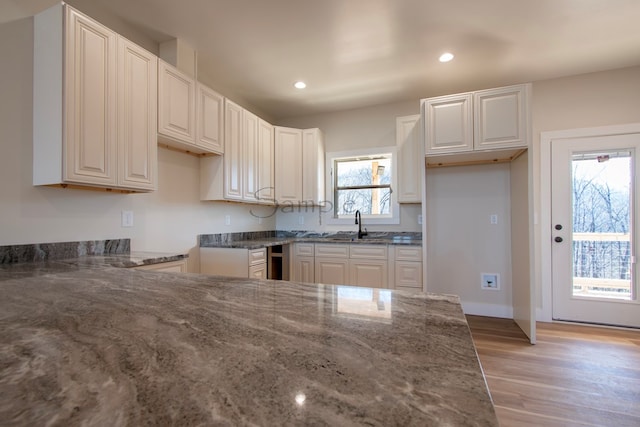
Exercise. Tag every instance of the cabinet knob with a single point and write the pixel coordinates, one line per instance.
(558, 227)
(558, 239)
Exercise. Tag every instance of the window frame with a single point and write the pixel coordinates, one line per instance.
(368, 219)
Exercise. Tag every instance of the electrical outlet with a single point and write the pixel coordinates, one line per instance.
(493, 218)
(126, 218)
(227, 220)
(420, 219)
(300, 220)
(490, 281)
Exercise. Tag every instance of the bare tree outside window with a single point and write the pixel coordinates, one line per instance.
(364, 185)
(601, 222)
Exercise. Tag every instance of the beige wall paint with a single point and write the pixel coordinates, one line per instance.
(348, 130)
(167, 220)
(583, 101)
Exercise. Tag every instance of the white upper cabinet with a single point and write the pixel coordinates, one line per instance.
(93, 92)
(288, 164)
(245, 172)
(410, 159)
(90, 77)
(250, 160)
(210, 120)
(493, 119)
(500, 116)
(233, 172)
(137, 104)
(313, 166)
(176, 106)
(266, 159)
(299, 163)
(190, 115)
(448, 124)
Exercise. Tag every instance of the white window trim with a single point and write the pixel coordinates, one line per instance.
(394, 219)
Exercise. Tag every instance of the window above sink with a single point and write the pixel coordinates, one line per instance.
(363, 180)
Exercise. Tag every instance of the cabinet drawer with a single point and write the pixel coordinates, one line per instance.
(258, 271)
(368, 251)
(329, 250)
(257, 256)
(304, 249)
(408, 275)
(409, 253)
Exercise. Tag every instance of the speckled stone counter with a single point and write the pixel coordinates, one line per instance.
(95, 345)
(257, 240)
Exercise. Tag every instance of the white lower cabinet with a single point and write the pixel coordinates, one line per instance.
(235, 262)
(368, 265)
(373, 266)
(357, 264)
(370, 273)
(408, 268)
(332, 264)
(303, 267)
(258, 271)
(334, 271)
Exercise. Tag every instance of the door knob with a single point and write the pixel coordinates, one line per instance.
(558, 227)
(558, 239)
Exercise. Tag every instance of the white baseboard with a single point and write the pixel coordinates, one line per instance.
(491, 310)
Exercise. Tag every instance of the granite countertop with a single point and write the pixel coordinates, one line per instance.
(89, 344)
(132, 259)
(263, 242)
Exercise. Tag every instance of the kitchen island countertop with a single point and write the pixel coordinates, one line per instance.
(84, 343)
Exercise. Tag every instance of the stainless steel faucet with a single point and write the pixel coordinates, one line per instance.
(359, 222)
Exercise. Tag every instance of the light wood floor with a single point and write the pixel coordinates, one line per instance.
(574, 375)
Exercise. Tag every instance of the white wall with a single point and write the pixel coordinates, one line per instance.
(166, 220)
(587, 100)
(461, 241)
(348, 130)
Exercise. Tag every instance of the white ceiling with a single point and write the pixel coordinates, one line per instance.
(355, 53)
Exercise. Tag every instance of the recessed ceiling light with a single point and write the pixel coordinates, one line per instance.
(300, 85)
(446, 57)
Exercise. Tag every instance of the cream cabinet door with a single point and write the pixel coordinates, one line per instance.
(303, 269)
(410, 159)
(250, 159)
(137, 117)
(332, 270)
(209, 120)
(176, 105)
(500, 117)
(288, 165)
(448, 124)
(368, 272)
(233, 151)
(313, 166)
(266, 158)
(408, 275)
(91, 102)
(258, 271)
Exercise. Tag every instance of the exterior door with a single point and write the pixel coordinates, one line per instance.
(594, 229)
